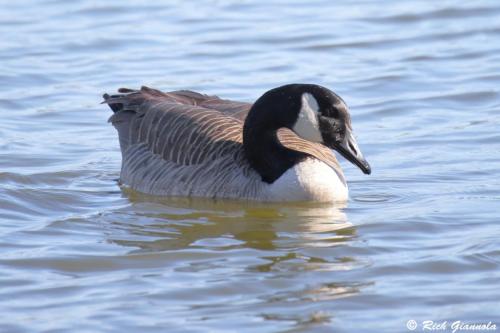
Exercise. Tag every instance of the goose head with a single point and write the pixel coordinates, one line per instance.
(314, 113)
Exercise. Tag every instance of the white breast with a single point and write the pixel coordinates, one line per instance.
(306, 181)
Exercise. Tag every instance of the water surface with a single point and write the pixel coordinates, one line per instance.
(417, 240)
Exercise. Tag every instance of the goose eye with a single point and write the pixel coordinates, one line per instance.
(331, 112)
(339, 132)
(327, 120)
(332, 123)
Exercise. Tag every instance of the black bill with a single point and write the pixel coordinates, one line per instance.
(350, 150)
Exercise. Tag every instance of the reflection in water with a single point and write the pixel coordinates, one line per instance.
(159, 224)
(277, 243)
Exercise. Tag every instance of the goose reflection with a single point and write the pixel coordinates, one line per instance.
(269, 247)
(154, 224)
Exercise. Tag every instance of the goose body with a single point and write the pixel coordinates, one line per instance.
(187, 144)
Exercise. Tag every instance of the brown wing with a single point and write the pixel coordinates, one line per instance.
(175, 126)
(290, 140)
(238, 110)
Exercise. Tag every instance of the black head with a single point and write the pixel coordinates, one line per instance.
(314, 113)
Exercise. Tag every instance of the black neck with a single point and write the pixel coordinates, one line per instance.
(268, 156)
(280, 108)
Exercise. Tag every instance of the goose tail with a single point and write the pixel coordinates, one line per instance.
(125, 100)
(125, 106)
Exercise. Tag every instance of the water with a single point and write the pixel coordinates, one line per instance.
(417, 240)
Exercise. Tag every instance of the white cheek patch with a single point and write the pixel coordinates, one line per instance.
(307, 126)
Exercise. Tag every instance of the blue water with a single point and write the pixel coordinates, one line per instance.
(417, 240)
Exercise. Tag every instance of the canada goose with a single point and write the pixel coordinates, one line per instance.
(183, 143)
